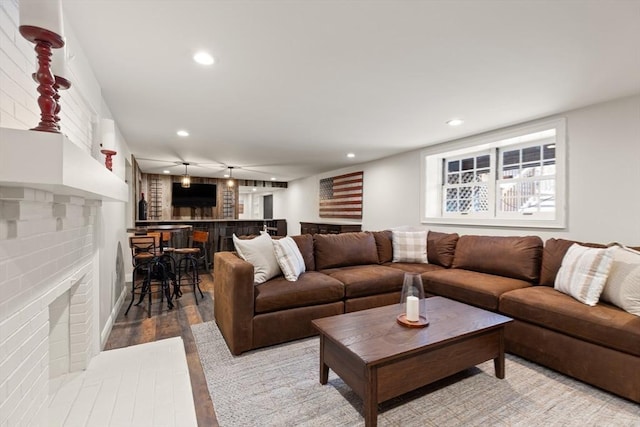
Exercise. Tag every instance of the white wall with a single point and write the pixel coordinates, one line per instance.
(253, 206)
(81, 108)
(390, 195)
(111, 230)
(603, 183)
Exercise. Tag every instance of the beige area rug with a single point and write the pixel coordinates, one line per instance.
(278, 386)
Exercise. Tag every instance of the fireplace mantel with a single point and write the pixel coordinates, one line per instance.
(49, 161)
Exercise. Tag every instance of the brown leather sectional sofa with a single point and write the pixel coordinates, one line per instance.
(513, 275)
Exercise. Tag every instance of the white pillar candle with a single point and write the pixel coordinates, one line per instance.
(107, 134)
(59, 63)
(413, 314)
(45, 14)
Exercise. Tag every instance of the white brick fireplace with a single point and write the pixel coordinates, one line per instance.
(48, 266)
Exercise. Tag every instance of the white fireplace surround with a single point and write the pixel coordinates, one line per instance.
(50, 192)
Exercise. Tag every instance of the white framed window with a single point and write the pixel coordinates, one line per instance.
(465, 184)
(513, 178)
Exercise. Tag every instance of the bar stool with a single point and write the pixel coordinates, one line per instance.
(190, 260)
(146, 259)
(169, 259)
(225, 239)
(166, 242)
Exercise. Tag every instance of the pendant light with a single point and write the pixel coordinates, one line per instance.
(186, 179)
(230, 181)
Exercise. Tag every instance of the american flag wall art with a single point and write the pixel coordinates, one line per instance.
(341, 196)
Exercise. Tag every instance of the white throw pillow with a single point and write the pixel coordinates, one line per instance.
(409, 246)
(289, 258)
(584, 272)
(259, 252)
(622, 288)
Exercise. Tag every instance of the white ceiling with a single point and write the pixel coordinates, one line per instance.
(299, 84)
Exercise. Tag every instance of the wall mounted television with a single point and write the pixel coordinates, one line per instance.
(198, 195)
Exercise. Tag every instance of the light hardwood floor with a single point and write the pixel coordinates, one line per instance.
(137, 328)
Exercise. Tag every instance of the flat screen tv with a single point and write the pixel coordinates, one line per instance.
(198, 195)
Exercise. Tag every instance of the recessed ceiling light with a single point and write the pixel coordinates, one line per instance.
(203, 58)
(273, 178)
(166, 171)
(255, 189)
(351, 155)
(455, 122)
(182, 133)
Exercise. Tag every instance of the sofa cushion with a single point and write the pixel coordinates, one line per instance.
(603, 324)
(552, 255)
(383, 245)
(289, 258)
(411, 267)
(409, 246)
(479, 289)
(372, 301)
(622, 288)
(311, 288)
(441, 247)
(305, 244)
(337, 250)
(514, 257)
(363, 280)
(584, 272)
(259, 253)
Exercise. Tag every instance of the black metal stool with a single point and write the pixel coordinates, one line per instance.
(148, 262)
(168, 258)
(188, 264)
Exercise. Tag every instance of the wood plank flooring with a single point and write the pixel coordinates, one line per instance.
(137, 328)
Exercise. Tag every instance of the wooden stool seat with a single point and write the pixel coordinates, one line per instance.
(167, 237)
(185, 251)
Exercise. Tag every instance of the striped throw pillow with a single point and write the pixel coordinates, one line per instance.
(623, 284)
(409, 246)
(289, 258)
(584, 272)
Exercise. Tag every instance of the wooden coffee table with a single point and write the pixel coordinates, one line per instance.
(380, 359)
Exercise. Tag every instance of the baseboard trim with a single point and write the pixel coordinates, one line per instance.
(112, 317)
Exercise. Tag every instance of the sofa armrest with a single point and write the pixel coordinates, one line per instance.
(233, 300)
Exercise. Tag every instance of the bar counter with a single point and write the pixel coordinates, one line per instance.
(222, 230)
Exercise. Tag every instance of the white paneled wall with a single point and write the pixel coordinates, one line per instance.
(18, 94)
(17, 89)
